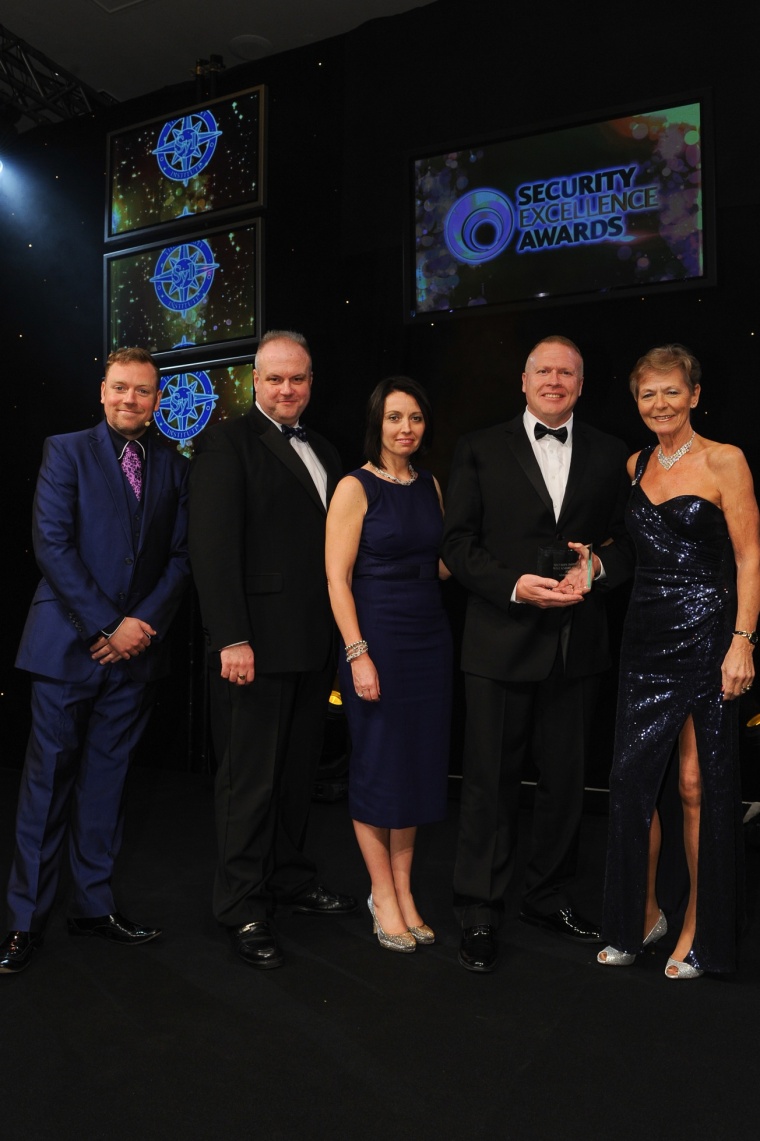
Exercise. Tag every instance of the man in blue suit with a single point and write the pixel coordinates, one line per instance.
(110, 531)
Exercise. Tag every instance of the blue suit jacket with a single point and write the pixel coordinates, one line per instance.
(94, 571)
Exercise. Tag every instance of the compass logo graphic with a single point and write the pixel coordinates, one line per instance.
(186, 145)
(187, 401)
(184, 274)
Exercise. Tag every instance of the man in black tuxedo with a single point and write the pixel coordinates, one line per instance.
(533, 645)
(259, 490)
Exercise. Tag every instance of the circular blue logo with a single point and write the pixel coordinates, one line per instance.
(184, 274)
(187, 401)
(186, 145)
(478, 226)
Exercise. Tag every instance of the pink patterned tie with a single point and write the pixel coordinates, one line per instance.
(131, 465)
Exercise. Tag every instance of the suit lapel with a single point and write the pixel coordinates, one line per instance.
(280, 447)
(326, 457)
(105, 456)
(153, 485)
(523, 453)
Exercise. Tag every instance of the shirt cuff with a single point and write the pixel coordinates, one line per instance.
(110, 634)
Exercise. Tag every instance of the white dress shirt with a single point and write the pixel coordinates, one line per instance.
(553, 458)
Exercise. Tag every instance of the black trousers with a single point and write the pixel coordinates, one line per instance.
(549, 720)
(268, 741)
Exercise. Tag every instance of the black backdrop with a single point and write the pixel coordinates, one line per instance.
(344, 116)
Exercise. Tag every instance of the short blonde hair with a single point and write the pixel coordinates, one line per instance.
(134, 355)
(556, 339)
(664, 359)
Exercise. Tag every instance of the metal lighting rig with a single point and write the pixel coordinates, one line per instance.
(34, 88)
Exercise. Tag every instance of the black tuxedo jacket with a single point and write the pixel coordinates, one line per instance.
(257, 544)
(498, 513)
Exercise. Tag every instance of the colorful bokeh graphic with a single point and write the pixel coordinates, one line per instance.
(615, 204)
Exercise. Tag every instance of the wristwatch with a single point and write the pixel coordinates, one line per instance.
(751, 637)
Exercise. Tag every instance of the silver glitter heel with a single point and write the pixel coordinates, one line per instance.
(660, 928)
(422, 934)
(615, 958)
(404, 942)
(683, 970)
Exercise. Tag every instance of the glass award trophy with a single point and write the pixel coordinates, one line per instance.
(558, 560)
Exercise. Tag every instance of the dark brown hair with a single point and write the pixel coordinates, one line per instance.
(373, 437)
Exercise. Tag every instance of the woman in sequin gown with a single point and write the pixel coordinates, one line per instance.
(383, 532)
(687, 655)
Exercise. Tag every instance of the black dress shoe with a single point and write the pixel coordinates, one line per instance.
(478, 949)
(17, 950)
(256, 944)
(114, 927)
(319, 900)
(564, 922)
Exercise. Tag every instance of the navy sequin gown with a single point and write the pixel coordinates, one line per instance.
(676, 635)
(400, 745)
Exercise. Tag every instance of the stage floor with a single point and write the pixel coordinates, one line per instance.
(179, 1040)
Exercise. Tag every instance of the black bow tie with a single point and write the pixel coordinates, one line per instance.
(540, 430)
(298, 432)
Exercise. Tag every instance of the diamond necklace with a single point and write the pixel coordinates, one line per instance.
(668, 461)
(394, 478)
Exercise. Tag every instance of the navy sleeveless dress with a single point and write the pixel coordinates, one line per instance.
(400, 744)
(676, 635)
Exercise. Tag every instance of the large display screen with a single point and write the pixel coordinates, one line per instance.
(610, 206)
(203, 290)
(194, 396)
(200, 159)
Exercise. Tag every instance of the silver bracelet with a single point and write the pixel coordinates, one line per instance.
(355, 650)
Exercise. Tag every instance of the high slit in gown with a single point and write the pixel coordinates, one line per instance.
(676, 635)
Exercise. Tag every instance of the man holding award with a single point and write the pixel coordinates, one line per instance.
(534, 531)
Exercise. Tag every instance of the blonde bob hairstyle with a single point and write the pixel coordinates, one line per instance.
(664, 359)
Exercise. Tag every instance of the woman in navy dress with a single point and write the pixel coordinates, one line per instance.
(383, 532)
(686, 657)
